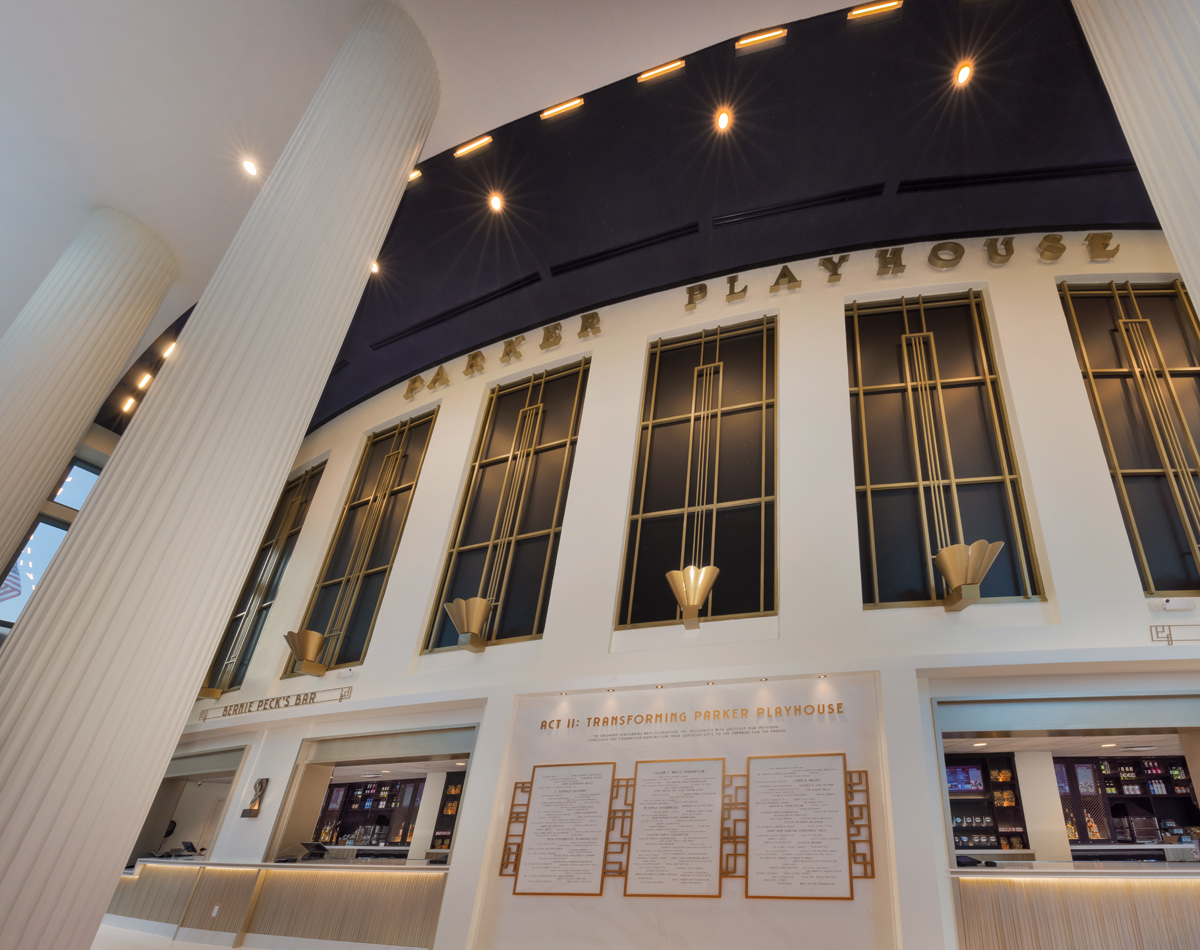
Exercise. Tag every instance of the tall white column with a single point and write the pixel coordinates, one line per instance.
(103, 666)
(65, 351)
(1148, 53)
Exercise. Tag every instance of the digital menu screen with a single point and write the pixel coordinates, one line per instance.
(964, 779)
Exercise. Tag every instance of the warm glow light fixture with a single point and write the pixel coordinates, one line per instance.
(563, 107)
(612, 690)
(471, 146)
(724, 119)
(169, 350)
(129, 404)
(762, 679)
(251, 168)
(978, 745)
(1108, 745)
(374, 267)
(710, 683)
(872, 8)
(460, 763)
(762, 37)
(963, 74)
(658, 687)
(822, 676)
(414, 174)
(495, 202)
(661, 70)
(144, 381)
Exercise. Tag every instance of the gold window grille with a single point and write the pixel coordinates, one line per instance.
(704, 483)
(1139, 352)
(346, 600)
(254, 603)
(933, 458)
(506, 537)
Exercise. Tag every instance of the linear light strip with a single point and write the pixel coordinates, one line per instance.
(660, 70)
(414, 174)
(563, 107)
(760, 38)
(471, 146)
(874, 8)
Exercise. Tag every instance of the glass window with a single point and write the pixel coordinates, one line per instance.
(1139, 352)
(506, 539)
(704, 485)
(22, 578)
(933, 460)
(77, 484)
(254, 603)
(355, 573)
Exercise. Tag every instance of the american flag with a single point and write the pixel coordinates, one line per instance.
(11, 586)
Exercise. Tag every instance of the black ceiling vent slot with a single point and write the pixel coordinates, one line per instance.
(568, 266)
(837, 197)
(433, 321)
(339, 366)
(1005, 178)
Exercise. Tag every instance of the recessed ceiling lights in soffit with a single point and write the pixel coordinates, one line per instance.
(846, 134)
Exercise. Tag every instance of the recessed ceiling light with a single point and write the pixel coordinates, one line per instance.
(978, 745)
(460, 763)
(1138, 748)
(872, 8)
(760, 38)
(710, 682)
(386, 771)
(168, 351)
(129, 404)
(724, 118)
(414, 174)
(495, 202)
(658, 687)
(963, 74)
(822, 676)
(562, 694)
(144, 381)
(661, 70)
(371, 774)
(1107, 745)
(251, 168)
(374, 267)
(563, 107)
(762, 679)
(471, 146)
(612, 690)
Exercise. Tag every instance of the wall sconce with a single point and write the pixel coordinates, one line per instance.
(964, 567)
(260, 787)
(691, 588)
(208, 692)
(469, 617)
(307, 646)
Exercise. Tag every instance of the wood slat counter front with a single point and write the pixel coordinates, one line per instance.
(1079, 908)
(232, 904)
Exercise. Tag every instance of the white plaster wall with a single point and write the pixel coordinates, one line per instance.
(1094, 611)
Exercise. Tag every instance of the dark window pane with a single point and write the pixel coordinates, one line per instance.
(542, 496)
(860, 476)
(666, 481)
(289, 495)
(899, 553)
(506, 409)
(558, 408)
(243, 664)
(658, 552)
(969, 426)
(676, 380)
(889, 438)
(223, 650)
(865, 561)
(252, 580)
(354, 639)
(481, 519)
(388, 534)
(414, 450)
(1127, 424)
(521, 595)
(879, 337)
(742, 380)
(339, 564)
(1161, 531)
(1097, 317)
(740, 471)
(280, 566)
(985, 515)
(323, 608)
(465, 573)
(738, 555)
(1171, 328)
(368, 476)
(954, 341)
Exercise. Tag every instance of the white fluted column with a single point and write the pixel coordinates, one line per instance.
(102, 668)
(1148, 52)
(64, 353)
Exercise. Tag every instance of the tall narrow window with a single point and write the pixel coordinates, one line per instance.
(704, 486)
(1139, 352)
(346, 600)
(506, 540)
(933, 461)
(254, 603)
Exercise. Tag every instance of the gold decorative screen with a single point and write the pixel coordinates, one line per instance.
(933, 458)
(704, 486)
(1139, 352)
(355, 574)
(506, 539)
(250, 612)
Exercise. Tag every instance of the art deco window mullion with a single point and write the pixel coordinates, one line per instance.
(352, 582)
(945, 428)
(656, 350)
(862, 424)
(1110, 449)
(916, 444)
(986, 368)
(278, 543)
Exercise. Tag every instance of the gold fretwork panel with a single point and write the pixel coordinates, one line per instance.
(858, 821)
(735, 826)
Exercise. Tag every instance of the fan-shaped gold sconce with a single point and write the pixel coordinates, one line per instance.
(691, 588)
(307, 646)
(469, 617)
(963, 568)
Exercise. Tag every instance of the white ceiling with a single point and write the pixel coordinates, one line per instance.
(149, 106)
(1080, 745)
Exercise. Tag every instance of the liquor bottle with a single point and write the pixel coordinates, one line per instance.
(1093, 829)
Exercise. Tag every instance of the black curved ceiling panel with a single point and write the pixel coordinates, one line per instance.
(848, 134)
